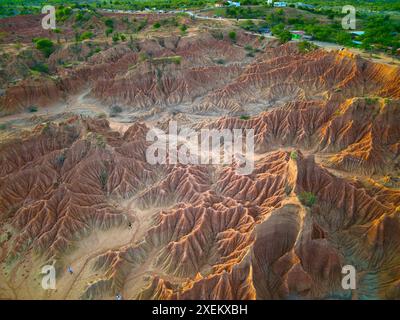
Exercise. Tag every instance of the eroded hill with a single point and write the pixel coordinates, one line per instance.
(76, 188)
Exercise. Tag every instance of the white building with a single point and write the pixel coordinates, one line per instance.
(234, 4)
(280, 4)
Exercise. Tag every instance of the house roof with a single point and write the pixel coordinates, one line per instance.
(300, 32)
(358, 33)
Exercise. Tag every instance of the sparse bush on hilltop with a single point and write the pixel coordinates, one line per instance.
(86, 35)
(115, 110)
(281, 33)
(232, 35)
(109, 31)
(109, 23)
(45, 45)
(40, 67)
(217, 35)
(306, 46)
(307, 198)
(183, 27)
(33, 109)
(103, 177)
(59, 160)
(371, 100)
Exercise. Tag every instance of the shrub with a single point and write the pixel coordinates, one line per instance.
(33, 109)
(143, 56)
(40, 67)
(109, 31)
(169, 59)
(60, 159)
(232, 36)
(103, 177)
(45, 45)
(109, 23)
(86, 35)
(305, 46)
(281, 33)
(244, 117)
(115, 37)
(370, 100)
(183, 27)
(115, 110)
(284, 36)
(293, 155)
(307, 198)
(156, 25)
(217, 35)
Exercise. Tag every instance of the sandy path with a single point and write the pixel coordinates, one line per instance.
(133, 219)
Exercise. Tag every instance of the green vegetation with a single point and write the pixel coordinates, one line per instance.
(217, 34)
(109, 23)
(169, 59)
(382, 33)
(246, 12)
(371, 100)
(244, 117)
(232, 36)
(86, 35)
(156, 25)
(307, 198)
(281, 33)
(59, 160)
(82, 17)
(305, 46)
(103, 177)
(115, 110)
(45, 45)
(293, 155)
(183, 27)
(109, 31)
(63, 13)
(40, 67)
(33, 109)
(115, 37)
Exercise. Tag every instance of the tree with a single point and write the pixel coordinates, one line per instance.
(285, 36)
(343, 37)
(281, 33)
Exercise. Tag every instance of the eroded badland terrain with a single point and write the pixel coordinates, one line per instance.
(76, 189)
